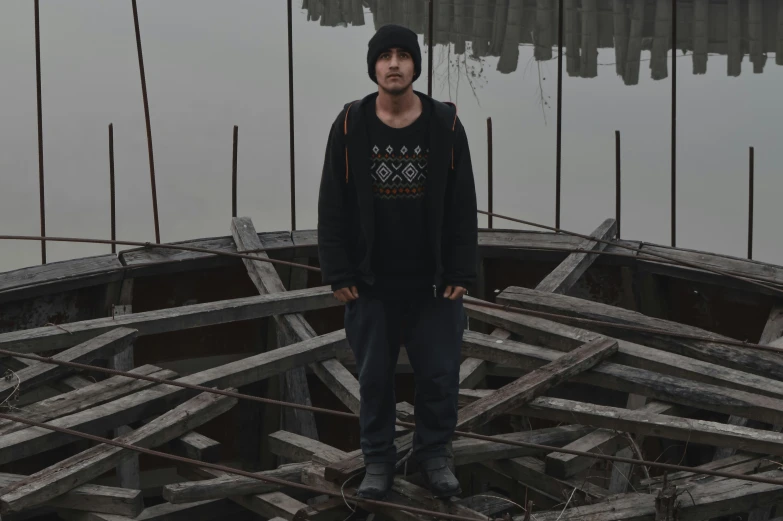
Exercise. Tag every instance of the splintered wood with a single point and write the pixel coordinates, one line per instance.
(539, 387)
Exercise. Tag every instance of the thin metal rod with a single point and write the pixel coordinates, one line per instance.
(147, 120)
(112, 190)
(431, 34)
(751, 168)
(489, 171)
(234, 174)
(40, 129)
(674, 124)
(213, 390)
(291, 111)
(639, 250)
(559, 150)
(618, 172)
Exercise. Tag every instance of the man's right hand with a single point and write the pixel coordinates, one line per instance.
(346, 294)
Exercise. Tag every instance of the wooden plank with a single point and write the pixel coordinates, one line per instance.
(198, 511)
(683, 476)
(104, 345)
(84, 398)
(535, 383)
(291, 329)
(172, 319)
(229, 485)
(649, 424)
(81, 468)
(602, 441)
(58, 277)
(196, 446)
(748, 360)
(91, 498)
(565, 337)
(619, 377)
(471, 372)
(722, 498)
(562, 278)
(128, 469)
(161, 398)
(300, 448)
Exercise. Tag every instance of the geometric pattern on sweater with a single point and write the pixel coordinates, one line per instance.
(398, 174)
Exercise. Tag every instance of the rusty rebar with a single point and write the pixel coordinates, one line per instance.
(431, 44)
(112, 190)
(618, 172)
(291, 112)
(489, 171)
(147, 121)
(234, 173)
(751, 168)
(41, 189)
(674, 126)
(341, 414)
(559, 149)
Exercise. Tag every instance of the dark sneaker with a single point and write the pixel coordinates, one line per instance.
(439, 478)
(377, 481)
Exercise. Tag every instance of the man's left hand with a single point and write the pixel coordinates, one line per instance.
(454, 292)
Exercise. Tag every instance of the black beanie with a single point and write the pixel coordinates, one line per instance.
(390, 36)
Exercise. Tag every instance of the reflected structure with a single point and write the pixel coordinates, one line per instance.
(639, 31)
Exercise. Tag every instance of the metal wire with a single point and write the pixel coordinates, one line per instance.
(341, 414)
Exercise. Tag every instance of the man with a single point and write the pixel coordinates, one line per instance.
(397, 241)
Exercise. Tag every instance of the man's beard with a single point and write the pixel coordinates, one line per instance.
(396, 91)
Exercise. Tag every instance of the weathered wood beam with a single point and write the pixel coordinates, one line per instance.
(471, 372)
(161, 398)
(81, 468)
(196, 446)
(683, 476)
(535, 383)
(267, 281)
(300, 448)
(722, 498)
(618, 377)
(568, 272)
(91, 498)
(469, 450)
(224, 485)
(172, 319)
(84, 398)
(748, 360)
(602, 441)
(128, 469)
(101, 346)
(197, 511)
(649, 424)
(564, 337)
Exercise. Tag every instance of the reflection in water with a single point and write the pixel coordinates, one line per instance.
(498, 27)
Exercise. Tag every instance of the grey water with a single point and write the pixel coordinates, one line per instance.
(214, 64)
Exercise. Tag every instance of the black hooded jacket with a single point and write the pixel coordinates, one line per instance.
(345, 201)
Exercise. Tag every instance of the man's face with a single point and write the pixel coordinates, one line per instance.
(394, 71)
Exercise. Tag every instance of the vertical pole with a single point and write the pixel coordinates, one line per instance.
(674, 123)
(489, 171)
(147, 120)
(751, 168)
(112, 188)
(40, 131)
(558, 166)
(617, 184)
(431, 47)
(234, 174)
(291, 111)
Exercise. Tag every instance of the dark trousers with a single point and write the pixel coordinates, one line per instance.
(431, 329)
